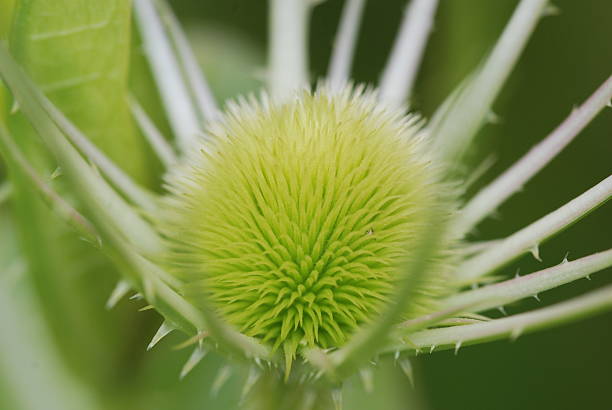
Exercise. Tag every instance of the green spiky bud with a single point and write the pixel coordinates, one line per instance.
(295, 218)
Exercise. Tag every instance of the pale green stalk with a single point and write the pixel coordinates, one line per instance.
(530, 237)
(122, 181)
(165, 152)
(456, 122)
(167, 74)
(500, 294)
(64, 210)
(339, 71)
(288, 59)
(510, 327)
(203, 98)
(513, 179)
(398, 77)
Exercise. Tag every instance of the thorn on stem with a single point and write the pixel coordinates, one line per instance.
(515, 333)
(164, 330)
(457, 347)
(565, 260)
(367, 379)
(120, 290)
(15, 107)
(495, 214)
(56, 173)
(408, 370)
(535, 251)
(492, 118)
(136, 296)
(551, 10)
(192, 340)
(198, 354)
(252, 378)
(222, 377)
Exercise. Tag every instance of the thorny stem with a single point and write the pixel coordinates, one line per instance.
(183, 315)
(499, 294)
(512, 180)
(167, 74)
(66, 212)
(344, 45)
(104, 202)
(122, 181)
(513, 326)
(469, 108)
(403, 65)
(531, 236)
(288, 60)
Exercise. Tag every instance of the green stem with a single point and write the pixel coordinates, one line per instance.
(271, 392)
(510, 327)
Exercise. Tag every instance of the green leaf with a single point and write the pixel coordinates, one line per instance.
(77, 51)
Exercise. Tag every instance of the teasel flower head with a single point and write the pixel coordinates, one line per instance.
(297, 218)
(310, 229)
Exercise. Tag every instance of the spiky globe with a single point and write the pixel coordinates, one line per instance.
(294, 218)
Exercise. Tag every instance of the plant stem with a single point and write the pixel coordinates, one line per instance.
(270, 392)
(203, 97)
(165, 152)
(400, 72)
(454, 125)
(513, 326)
(122, 181)
(499, 294)
(344, 45)
(531, 236)
(288, 65)
(66, 212)
(513, 179)
(167, 75)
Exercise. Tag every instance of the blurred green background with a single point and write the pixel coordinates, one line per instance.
(53, 323)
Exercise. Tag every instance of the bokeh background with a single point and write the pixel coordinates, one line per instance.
(59, 342)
